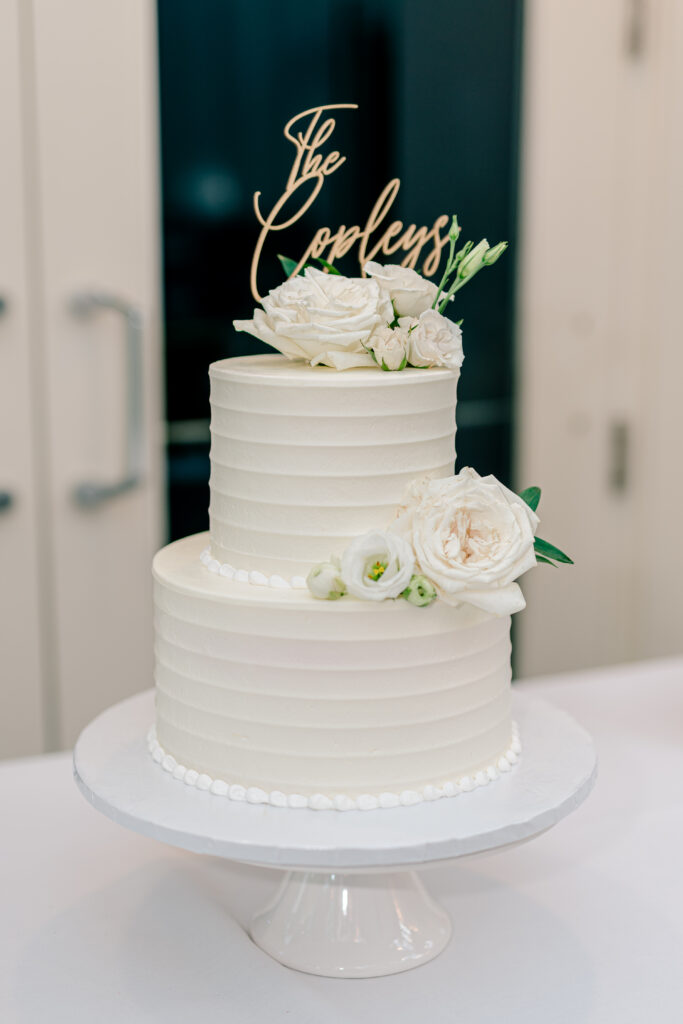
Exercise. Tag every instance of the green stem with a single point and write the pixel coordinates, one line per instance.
(460, 282)
(451, 263)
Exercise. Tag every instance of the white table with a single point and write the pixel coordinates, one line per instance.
(584, 924)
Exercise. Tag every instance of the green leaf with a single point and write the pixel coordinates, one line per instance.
(542, 547)
(289, 266)
(541, 558)
(532, 496)
(328, 266)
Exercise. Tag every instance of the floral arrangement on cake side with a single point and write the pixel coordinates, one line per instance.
(391, 319)
(465, 539)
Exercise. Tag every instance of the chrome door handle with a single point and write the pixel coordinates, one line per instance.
(91, 494)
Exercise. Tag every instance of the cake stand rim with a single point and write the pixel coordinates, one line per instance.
(117, 776)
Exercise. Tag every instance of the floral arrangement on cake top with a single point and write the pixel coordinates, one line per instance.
(391, 319)
(465, 539)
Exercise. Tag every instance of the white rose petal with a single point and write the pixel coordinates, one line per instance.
(410, 293)
(435, 341)
(378, 565)
(322, 318)
(411, 500)
(472, 537)
(390, 346)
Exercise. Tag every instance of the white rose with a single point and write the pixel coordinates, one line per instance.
(472, 538)
(434, 340)
(410, 293)
(322, 318)
(324, 581)
(378, 565)
(390, 346)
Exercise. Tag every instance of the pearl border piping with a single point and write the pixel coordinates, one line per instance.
(340, 802)
(258, 579)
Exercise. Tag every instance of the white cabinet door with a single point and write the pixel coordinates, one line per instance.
(599, 336)
(97, 192)
(21, 636)
(656, 280)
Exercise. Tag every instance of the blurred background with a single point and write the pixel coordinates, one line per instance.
(133, 138)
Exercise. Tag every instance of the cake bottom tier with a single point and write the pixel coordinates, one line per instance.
(273, 695)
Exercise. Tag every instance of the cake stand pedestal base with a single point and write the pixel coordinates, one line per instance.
(352, 925)
(351, 904)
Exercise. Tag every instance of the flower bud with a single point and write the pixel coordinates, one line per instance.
(493, 253)
(324, 581)
(420, 591)
(454, 232)
(474, 260)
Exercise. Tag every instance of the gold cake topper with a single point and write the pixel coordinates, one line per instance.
(308, 133)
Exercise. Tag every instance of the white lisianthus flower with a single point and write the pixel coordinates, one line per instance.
(377, 565)
(324, 581)
(390, 346)
(472, 538)
(322, 318)
(434, 340)
(410, 293)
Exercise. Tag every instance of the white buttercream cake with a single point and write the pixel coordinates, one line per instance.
(263, 691)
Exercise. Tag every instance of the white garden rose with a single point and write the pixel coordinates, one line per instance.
(472, 538)
(410, 293)
(378, 565)
(434, 340)
(322, 318)
(390, 346)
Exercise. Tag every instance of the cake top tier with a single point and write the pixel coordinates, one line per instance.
(305, 458)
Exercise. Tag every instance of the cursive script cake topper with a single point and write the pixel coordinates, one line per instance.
(308, 132)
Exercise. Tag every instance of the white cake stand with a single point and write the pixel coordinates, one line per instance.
(351, 904)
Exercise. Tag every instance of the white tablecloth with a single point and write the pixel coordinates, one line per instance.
(583, 924)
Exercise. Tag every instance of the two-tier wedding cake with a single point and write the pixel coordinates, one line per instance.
(341, 637)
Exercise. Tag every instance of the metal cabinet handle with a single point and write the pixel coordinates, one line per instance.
(91, 494)
(6, 497)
